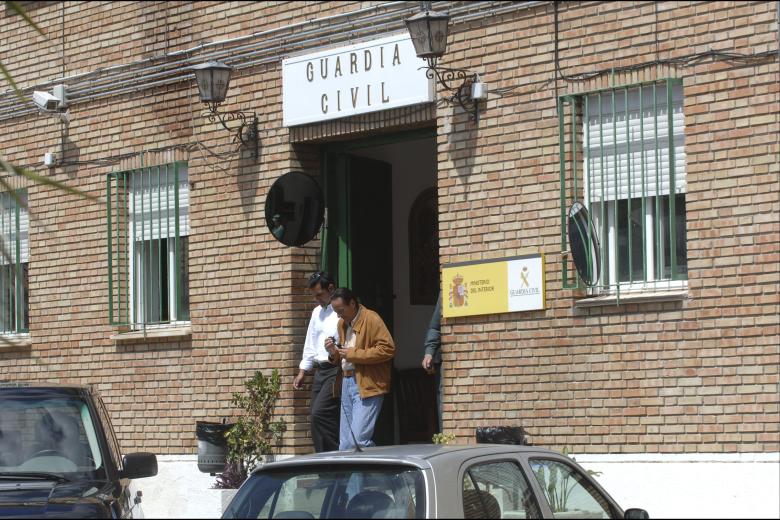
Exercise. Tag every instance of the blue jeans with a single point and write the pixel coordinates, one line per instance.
(359, 414)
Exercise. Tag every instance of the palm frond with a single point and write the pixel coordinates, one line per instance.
(18, 9)
(10, 80)
(40, 179)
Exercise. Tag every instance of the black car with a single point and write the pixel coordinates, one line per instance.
(59, 457)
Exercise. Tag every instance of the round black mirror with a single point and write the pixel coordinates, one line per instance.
(584, 244)
(294, 209)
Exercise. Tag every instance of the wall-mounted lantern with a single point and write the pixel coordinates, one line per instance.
(429, 30)
(213, 80)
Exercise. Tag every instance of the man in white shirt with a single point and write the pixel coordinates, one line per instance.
(325, 408)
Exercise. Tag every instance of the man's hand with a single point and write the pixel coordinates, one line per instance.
(427, 362)
(342, 352)
(298, 381)
(330, 346)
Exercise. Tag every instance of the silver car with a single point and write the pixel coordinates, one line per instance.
(426, 481)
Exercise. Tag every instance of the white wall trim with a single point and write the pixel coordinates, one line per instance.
(676, 457)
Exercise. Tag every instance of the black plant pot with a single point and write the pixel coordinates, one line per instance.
(212, 446)
(502, 435)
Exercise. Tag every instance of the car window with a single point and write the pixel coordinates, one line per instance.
(498, 490)
(359, 491)
(568, 492)
(113, 444)
(47, 434)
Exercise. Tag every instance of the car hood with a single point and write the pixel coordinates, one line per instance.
(40, 498)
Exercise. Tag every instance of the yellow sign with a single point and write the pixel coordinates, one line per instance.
(494, 286)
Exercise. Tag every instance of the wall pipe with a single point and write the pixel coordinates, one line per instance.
(96, 90)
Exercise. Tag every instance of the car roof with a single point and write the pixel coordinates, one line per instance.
(420, 455)
(21, 388)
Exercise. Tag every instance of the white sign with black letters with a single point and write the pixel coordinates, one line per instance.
(346, 81)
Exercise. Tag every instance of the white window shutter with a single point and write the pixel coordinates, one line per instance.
(153, 203)
(613, 147)
(8, 228)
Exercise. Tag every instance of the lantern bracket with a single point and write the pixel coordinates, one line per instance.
(460, 94)
(246, 132)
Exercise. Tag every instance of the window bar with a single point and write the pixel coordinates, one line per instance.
(615, 193)
(573, 134)
(172, 271)
(562, 166)
(6, 295)
(3, 306)
(586, 148)
(9, 271)
(147, 271)
(176, 244)
(142, 273)
(128, 246)
(603, 215)
(628, 190)
(6, 264)
(110, 253)
(18, 271)
(5, 303)
(644, 190)
(159, 246)
(672, 193)
(133, 264)
(657, 217)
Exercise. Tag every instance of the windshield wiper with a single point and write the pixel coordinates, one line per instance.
(32, 475)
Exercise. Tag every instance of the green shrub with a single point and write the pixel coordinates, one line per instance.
(254, 435)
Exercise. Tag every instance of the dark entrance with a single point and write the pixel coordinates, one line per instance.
(358, 246)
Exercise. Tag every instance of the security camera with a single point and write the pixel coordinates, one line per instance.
(45, 101)
(51, 102)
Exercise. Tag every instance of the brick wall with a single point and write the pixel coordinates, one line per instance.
(696, 375)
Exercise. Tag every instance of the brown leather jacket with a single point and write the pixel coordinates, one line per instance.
(372, 355)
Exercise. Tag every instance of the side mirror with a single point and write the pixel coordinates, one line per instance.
(635, 513)
(139, 465)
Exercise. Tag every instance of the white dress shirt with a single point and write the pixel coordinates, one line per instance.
(323, 324)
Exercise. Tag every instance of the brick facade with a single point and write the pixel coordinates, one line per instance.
(697, 375)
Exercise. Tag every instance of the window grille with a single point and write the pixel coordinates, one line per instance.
(14, 263)
(622, 152)
(148, 243)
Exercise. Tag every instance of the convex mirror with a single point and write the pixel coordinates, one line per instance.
(584, 244)
(294, 208)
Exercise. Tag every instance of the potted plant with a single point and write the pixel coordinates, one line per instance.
(255, 434)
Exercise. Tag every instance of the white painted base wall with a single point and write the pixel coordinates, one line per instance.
(692, 486)
(179, 490)
(667, 486)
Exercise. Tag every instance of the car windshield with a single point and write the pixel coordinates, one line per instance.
(48, 435)
(333, 491)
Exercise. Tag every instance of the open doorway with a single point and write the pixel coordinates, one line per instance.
(381, 241)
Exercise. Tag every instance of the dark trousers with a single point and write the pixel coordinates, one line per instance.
(325, 409)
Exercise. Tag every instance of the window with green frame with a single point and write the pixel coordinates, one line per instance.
(148, 244)
(622, 152)
(14, 263)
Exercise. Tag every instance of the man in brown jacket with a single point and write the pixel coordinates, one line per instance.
(365, 350)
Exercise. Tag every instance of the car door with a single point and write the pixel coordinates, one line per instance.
(496, 487)
(566, 491)
(125, 503)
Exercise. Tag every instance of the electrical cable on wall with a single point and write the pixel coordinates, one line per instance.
(691, 60)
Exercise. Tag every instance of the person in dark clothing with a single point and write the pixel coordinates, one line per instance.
(325, 408)
(432, 359)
